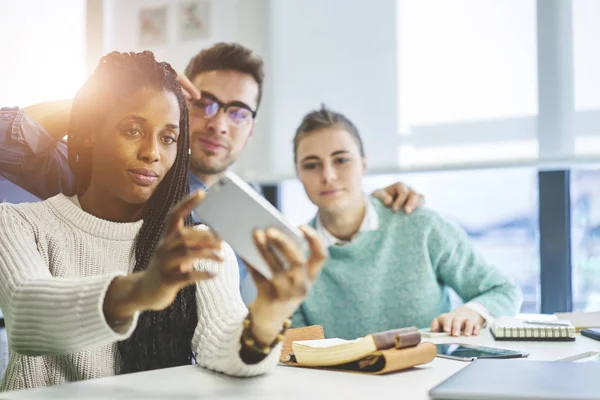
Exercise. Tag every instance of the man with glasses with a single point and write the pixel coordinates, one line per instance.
(224, 87)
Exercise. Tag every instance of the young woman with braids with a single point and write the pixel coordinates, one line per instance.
(114, 279)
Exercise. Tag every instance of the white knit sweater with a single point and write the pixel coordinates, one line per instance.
(56, 263)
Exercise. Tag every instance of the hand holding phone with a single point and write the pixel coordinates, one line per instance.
(234, 210)
(284, 261)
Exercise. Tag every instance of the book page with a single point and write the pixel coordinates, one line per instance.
(324, 343)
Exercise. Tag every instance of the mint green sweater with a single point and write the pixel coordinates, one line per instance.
(398, 275)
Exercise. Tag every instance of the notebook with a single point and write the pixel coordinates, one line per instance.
(582, 320)
(376, 353)
(506, 328)
(521, 380)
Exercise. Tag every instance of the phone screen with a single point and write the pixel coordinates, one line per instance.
(462, 351)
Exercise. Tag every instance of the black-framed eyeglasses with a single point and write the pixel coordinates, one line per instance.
(208, 106)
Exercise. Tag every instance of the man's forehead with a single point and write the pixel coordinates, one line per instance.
(228, 86)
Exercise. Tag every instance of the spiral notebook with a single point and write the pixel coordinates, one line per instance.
(505, 328)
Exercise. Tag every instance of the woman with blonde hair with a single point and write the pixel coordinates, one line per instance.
(385, 270)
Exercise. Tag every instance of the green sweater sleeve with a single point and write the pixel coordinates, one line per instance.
(458, 265)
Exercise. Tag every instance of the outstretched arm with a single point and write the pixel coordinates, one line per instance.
(486, 291)
(53, 116)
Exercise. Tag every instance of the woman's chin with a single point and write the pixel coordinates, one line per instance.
(138, 195)
(332, 205)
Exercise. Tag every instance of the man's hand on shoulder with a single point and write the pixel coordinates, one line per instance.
(400, 196)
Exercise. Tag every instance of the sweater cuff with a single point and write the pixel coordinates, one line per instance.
(29, 132)
(221, 352)
(482, 311)
(58, 316)
(114, 330)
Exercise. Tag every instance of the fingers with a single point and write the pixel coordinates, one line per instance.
(189, 90)
(299, 279)
(384, 196)
(186, 94)
(192, 277)
(177, 214)
(318, 253)
(414, 201)
(469, 325)
(476, 329)
(191, 238)
(177, 252)
(457, 324)
(445, 322)
(402, 192)
(289, 250)
(399, 196)
(182, 259)
(435, 325)
(262, 243)
(259, 279)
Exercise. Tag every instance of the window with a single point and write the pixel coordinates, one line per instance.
(44, 59)
(44, 51)
(497, 208)
(586, 55)
(586, 76)
(585, 181)
(585, 238)
(467, 84)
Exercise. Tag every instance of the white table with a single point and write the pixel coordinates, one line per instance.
(191, 382)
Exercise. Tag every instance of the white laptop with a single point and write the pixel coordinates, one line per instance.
(518, 379)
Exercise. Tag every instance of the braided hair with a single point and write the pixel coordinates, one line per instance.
(162, 339)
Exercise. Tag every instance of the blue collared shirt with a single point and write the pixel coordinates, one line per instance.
(35, 161)
(31, 158)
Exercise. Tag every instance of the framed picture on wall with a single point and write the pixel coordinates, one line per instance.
(152, 28)
(194, 19)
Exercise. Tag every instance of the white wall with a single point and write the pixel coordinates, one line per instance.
(243, 21)
(121, 21)
(341, 52)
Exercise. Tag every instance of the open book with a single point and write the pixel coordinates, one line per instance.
(324, 352)
(376, 353)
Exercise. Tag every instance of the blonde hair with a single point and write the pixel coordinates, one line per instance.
(325, 118)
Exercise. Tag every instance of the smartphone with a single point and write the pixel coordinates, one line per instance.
(233, 209)
(466, 352)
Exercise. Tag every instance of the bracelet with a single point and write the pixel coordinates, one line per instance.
(249, 341)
